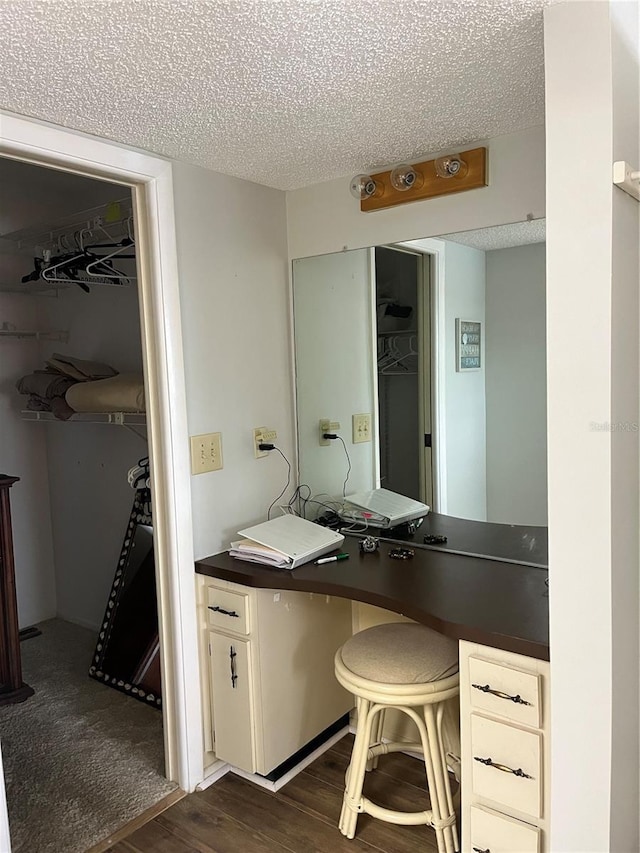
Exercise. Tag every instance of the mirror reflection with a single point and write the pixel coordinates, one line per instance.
(441, 342)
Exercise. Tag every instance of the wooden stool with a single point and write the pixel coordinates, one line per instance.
(411, 668)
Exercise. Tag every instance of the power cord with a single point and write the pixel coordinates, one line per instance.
(268, 447)
(332, 436)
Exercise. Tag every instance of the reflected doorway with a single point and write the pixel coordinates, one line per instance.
(403, 376)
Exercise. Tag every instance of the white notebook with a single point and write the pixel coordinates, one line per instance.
(382, 508)
(285, 542)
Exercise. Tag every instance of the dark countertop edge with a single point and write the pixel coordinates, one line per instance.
(266, 579)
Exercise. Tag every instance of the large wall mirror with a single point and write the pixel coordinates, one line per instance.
(442, 342)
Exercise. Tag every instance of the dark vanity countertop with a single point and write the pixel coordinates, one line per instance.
(486, 601)
(513, 543)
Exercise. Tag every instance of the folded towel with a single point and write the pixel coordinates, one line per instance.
(121, 393)
(44, 384)
(80, 369)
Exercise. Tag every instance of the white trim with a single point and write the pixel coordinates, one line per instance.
(213, 774)
(435, 249)
(373, 326)
(298, 768)
(152, 182)
(5, 838)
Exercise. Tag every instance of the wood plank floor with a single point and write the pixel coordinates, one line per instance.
(236, 816)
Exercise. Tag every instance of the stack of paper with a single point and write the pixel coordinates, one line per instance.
(285, 542)
(254, 552)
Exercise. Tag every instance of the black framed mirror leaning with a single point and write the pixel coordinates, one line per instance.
(127, 653)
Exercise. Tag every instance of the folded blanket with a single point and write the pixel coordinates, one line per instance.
(46, 393)
(121, 393)
(80, 369)
(44, 384)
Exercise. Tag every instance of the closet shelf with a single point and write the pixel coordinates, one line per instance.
(118, 418)
(38, 336)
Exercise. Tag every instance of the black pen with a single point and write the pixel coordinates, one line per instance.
(331, 559)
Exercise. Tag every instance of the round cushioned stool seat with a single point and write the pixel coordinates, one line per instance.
(401, 653)
(413, 669)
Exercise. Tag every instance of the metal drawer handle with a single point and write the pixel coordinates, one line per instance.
(481, 850)
(217, 609)
(232, 666)
(519, 772)
(486, 688)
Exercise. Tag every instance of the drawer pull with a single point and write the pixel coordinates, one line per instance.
(503, 767)
(486, 688)
(232, 666)
(217, 609)
(481, 850)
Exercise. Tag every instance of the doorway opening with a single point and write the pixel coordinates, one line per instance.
(73, 420)
(403, 333)
(149, 181)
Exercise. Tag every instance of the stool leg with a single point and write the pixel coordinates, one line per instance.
(450, 800)
(376, 737)
(351, 803)
(441, 803)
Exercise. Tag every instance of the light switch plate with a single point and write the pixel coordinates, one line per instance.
(206, 452)
(361, 427)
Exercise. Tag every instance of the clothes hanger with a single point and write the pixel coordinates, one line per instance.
(90, 267)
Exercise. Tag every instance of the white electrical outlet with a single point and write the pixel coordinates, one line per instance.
(263, 435)
(326, 425)
(361, 427)
(206, 452)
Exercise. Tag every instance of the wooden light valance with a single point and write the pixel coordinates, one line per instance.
(432, 185)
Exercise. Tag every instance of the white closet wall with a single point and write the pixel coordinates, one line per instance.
(23, 454)
(88, 463)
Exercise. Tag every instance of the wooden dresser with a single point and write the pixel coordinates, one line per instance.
(12, 687)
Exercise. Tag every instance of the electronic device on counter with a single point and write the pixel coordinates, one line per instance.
(383, 509)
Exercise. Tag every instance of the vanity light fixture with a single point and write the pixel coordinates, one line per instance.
(364, 186)
(405, 177)
(449, 166)
(451, 173)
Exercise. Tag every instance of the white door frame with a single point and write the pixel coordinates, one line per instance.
(151, 180)
(434, 252)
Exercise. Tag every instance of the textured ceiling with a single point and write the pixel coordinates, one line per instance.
(501, 236)
(282, 92)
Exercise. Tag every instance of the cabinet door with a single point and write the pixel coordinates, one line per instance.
(232, 700)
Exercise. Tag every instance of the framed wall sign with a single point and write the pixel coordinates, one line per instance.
(468, 345)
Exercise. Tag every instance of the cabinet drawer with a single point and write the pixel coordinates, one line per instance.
(513, 749)
(506, 692)
(495, 833)
(232, 700)
(227, 609)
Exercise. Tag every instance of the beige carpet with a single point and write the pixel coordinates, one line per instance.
(80, 759)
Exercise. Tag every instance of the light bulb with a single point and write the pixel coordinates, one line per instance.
(405, 177)
(363, 186)
(450, 166)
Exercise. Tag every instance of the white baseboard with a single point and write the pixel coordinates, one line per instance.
(214, 772)
(290, 774)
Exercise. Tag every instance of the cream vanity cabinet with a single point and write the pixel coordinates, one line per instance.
(504, 716)
(267, 671)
